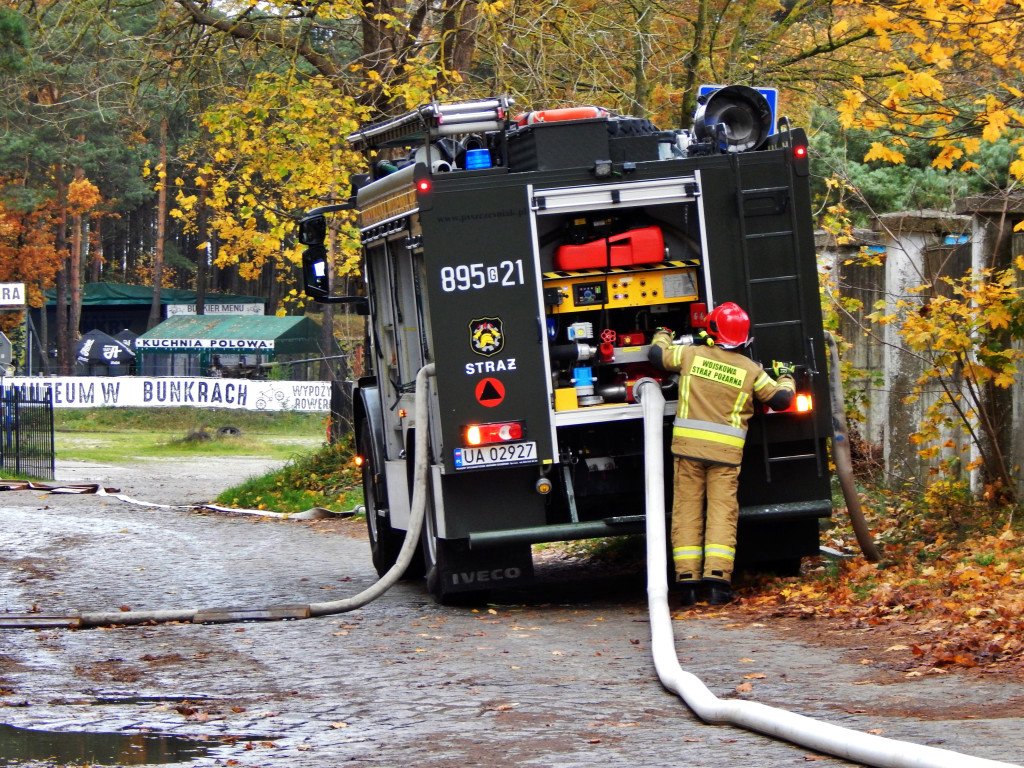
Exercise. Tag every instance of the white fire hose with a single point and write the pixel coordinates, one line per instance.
(824, 737)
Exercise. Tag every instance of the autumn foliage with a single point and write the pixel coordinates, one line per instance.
(930, 46)
(944, 596)
(27, 253)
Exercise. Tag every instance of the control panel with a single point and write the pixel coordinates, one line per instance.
(582, 290)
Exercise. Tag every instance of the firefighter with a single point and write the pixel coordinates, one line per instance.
(715, 387)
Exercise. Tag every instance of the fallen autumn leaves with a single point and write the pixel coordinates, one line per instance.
(950, 603)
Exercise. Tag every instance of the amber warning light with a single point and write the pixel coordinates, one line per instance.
(497, 432)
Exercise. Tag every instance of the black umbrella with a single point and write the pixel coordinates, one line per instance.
(127, 338)
(98, 348)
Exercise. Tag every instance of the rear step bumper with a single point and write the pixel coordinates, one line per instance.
(618, 526)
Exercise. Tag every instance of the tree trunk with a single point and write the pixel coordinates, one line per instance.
(693, 64)
(204, 249)
(42, 334)
(161, 228)
(65, 364)
(75, 262)
(96, 264)
(458, 38)
(641, 45)
(273, 292)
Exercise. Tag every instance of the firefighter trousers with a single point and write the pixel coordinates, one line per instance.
(704, 542)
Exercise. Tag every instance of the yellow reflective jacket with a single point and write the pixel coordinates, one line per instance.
(715, 403)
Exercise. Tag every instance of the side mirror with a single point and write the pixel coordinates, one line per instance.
(316, 278)
(314, 272)
(316, 281)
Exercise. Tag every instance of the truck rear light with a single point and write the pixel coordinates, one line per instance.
(423, 185)
(802, 403)
(358, 460)
(798, 143)
(496, 432)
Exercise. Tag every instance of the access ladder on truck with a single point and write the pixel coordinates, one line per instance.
(775, 204)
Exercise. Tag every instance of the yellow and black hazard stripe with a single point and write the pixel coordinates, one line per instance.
(632, 269)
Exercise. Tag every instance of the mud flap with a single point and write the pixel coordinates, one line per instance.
(460, 569)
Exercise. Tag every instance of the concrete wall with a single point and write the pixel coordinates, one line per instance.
(917, 248)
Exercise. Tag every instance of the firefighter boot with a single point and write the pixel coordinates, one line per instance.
(686, 588)
(718, 592)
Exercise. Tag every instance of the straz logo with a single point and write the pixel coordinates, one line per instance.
(486, 336)
(486, 576)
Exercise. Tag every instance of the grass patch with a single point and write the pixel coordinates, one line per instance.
(115, 447)
(327, 478)
(112, 434)
(184, 420)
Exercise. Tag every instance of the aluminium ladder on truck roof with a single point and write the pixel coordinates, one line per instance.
(436, 120)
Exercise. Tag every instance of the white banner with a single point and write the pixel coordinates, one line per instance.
(173, 391)
(215, 309)
(224, 345)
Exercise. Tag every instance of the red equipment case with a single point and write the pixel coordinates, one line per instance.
(637, 246)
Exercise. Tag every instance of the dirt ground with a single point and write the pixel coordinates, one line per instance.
(556, 675)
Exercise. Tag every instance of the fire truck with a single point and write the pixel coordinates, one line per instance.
(530, 256)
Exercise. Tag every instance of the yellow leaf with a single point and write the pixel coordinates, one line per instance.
(946, 157)
(1004, 380)
(880, 152)
(995, 125)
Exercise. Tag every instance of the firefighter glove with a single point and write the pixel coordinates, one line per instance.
(663, 329)
(781, 369)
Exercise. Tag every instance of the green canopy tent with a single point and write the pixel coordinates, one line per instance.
(226, 345)
(114, 307)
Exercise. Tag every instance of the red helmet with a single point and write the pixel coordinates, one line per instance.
(729, 325)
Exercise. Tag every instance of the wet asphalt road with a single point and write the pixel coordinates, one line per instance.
(560, 675)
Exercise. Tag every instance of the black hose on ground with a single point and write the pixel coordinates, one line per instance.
(841, 456)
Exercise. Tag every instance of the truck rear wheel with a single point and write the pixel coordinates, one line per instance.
(385, 542)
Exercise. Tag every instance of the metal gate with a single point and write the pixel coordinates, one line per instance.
(26, 433)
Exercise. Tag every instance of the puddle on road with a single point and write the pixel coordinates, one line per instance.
(19, 746)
